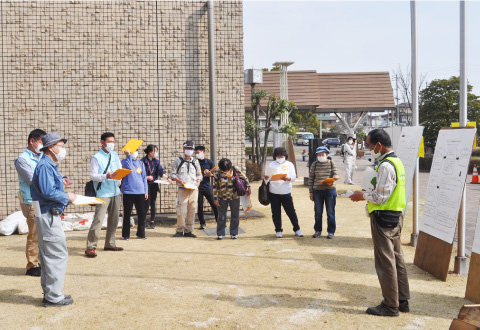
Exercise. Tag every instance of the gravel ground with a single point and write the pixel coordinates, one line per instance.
(254, 282)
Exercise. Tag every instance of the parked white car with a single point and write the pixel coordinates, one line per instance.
(303, 137)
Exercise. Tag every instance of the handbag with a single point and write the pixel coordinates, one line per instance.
(90, 190)
(264, 193)
(239, 185)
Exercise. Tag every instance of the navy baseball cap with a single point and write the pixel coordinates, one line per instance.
(51, 139)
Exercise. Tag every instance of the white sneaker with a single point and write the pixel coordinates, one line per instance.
(279, 234)
(234, 236)
(299, 233)
(220, 237)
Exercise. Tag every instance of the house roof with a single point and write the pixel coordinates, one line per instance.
(330, 92)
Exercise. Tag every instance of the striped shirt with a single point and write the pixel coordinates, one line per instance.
(386, 182)
(223, 185)
(319, 172)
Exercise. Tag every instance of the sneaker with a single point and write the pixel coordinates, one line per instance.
(190, 235)
(34, 271)
(139, 237)
(67, 296)
(202, 226)
(317, 234)
(220, 237)
(178, 234)
(234, 236)
(64, 302)
(299, 233)
(279, 234)
(125, 238)
(330, 235)
(382, 310)
(403, 306)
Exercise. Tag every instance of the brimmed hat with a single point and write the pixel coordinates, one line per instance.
(51, 139)
(189, 144)
(322, 149)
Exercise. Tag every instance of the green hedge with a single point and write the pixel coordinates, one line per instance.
(248, 151)
(426, 163)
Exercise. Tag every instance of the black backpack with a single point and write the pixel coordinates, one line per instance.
(183, 160)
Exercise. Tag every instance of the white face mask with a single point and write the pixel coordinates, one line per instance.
(281, 160)
(188, 152)
(322, 159)
(37, 149)
(155, 155)
(62, 153)
(376, 155)
(110, 147)
(135, 155)
(350, 142)
(200, 155)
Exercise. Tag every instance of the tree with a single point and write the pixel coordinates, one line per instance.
(440, 107)
(257, 97)
(275, 108)
(306, 120)
(404, 84)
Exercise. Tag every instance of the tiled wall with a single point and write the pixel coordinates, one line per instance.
(138, 69)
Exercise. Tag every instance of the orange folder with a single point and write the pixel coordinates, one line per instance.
(278, 177)
(121, 173)
(328, 181)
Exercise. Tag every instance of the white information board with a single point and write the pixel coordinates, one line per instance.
(407, 149)
(476, 239)
(446, 182)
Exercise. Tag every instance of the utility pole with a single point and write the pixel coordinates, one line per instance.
(413, 22)
(211, 85)
(461, 260)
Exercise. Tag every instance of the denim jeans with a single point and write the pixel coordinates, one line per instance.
(329, 197)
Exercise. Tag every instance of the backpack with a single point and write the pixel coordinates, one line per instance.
(342, 150)
(183, 160)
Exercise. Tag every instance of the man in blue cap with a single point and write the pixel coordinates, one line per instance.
(49, 201)
(322, 191)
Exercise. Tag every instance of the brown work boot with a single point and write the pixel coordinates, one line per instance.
(90, 253)
(382, 310)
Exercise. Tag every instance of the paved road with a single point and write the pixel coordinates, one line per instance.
(473, 190)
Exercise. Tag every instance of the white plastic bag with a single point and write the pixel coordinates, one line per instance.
(67, 226)
(22, 227)
(10, 223)
(85, 221)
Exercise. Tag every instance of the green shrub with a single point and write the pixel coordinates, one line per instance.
(476, 153)
(248, 151)
(426, 163)
(253, 173)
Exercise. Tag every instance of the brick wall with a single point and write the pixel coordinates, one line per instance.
(137, 69)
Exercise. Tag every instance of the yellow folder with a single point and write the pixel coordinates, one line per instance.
(132, 145)
(121, 173)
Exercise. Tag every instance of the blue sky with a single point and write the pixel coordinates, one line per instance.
(360, 36)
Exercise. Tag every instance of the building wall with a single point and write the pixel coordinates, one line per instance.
(137, 69)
